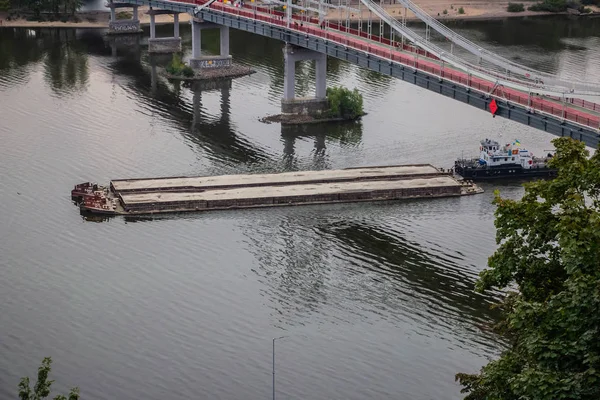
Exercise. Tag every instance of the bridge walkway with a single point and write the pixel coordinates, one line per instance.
(586, 114)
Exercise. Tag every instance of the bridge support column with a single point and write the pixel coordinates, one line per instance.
(198, 61)
(163, 44)
(130, 25)
(290, 104)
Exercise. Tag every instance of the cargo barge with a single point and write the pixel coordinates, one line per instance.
(186, 194)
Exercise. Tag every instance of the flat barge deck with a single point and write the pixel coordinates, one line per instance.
(200, 183)
(186, 194)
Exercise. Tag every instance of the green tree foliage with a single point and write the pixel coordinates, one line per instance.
(54, 7)
(177, 67)
(344, 102)
(515, 7)
(41, 390)
(550, 6)
(549, 247)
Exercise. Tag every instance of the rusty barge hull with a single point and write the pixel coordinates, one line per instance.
(192, 194)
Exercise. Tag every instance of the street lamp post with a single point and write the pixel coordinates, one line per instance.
(274, 339)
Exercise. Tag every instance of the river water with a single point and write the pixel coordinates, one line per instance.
(376, 300)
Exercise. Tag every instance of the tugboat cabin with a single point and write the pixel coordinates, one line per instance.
(494, 155)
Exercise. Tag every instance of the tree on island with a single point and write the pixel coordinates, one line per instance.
(549, 249)
(345, 103)
(41, 390)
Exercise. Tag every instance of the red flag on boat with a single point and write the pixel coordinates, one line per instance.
(493, 107)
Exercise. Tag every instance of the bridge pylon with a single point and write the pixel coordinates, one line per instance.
(128, 25)
(290, 104)
(163, 44)
(198, 61)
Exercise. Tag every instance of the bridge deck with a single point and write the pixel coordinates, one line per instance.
(584, 113)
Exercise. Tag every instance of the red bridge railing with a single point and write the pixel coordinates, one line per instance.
(352, 38)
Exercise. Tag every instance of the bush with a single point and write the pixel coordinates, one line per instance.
(4, 5)
(177, 67)
(445, 11)
(461, 10)
(515, 7)
(188, 71)
(345, 103)
(550, 6)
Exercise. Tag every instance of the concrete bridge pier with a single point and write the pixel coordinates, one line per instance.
(117, 26)
(290, 104)
(198, 61)
(164, 44)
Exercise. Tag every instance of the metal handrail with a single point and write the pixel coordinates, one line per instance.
(499, 61)
(515, 82)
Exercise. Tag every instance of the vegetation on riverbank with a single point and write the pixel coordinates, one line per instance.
(515, 7)
(42, 10)
(554, 6)
(557, 6)
(41, 390)
(178, 68)
(549, 247)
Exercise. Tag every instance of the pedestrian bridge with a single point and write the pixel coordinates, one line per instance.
(561, 106)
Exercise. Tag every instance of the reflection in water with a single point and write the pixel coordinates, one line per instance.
(545, 33)
(217, 136)
(65, 57)
(312, 261)
(433, 275)
(66, 62)
(346, 134)
(18, 48)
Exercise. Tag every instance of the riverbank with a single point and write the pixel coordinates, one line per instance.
(472, 10)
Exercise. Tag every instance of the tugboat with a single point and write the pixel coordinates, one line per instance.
(83, 190)
(507, 161)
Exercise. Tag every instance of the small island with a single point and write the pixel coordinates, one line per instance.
(343, 105)
(177, 69)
